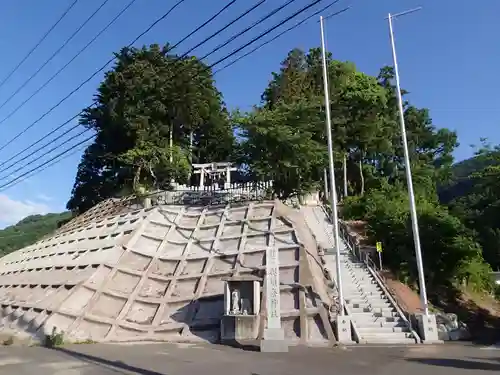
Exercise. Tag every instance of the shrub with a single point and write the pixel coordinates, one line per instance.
(449, 253)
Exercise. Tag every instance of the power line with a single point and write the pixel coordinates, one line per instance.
(226, 26)
(3, 186)
(23, 85)
(179, 2)
(78, 114)
(40, 170)
(274, 11)
(14, 111)
(244, 31)
(38, 43)
(208, 67)
(14, 163)
(300, 23)
(46, 153)
(203, 24)
(41, 139)
(263, 34)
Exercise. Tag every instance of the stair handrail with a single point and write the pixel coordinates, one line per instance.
(353, 245)
(370, 263)
(350, 240)
(355, 331)
(372, 268)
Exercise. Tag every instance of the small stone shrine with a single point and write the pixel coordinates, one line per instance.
(240, 323)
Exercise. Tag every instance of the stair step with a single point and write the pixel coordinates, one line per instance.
(380, 324)
(376, 330)
(368, 299)
(365, 307)
(392, 338)
(374, 301)
(361, 318)
(375, 311)
(376, 314)
(362, 295)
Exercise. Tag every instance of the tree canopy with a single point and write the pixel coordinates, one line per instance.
(148, 97)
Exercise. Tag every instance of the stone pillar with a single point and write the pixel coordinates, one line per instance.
(256, 300)
(427, 329)
(344, 333)
(202, 177)
(227, 299)
(274, 335)
(227, 185)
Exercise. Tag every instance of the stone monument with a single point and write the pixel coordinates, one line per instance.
(273, 339)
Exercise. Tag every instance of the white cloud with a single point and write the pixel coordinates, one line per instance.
(11, 211)
(44, 198)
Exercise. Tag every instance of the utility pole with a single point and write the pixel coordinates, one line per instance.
(409, 181)
(333, 190)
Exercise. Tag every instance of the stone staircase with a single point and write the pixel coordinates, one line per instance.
(375, 318)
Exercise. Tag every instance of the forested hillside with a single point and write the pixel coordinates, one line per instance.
(460, 183)
(474, 197)
(29, 230)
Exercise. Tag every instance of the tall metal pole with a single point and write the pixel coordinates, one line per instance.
(333, 190)
(171, 146)
(325, 178)
(346, 193)
(411, 194)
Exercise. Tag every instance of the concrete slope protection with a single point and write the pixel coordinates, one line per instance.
(118, 273)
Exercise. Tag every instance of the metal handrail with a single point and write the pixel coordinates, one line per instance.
(357, 335)
(393, 299)
(354, 247)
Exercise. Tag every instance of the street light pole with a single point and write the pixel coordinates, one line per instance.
(411, 193)
(333, 189)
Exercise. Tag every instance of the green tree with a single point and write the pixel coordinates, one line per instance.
(430, 149)
(450, 252)
(286, 144)
(356, 102)
(149, 99)
(479, 209)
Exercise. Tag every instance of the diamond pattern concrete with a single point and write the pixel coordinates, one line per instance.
(114, 274)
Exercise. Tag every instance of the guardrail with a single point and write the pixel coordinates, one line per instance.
(211, 195)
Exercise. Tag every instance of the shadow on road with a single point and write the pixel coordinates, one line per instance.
(458, 363)
(107, 363)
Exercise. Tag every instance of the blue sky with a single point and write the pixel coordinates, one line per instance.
(446, 55)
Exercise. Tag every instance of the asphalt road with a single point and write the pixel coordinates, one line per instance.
(188, 359)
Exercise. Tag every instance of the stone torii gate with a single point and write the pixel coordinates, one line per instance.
(214, 169)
